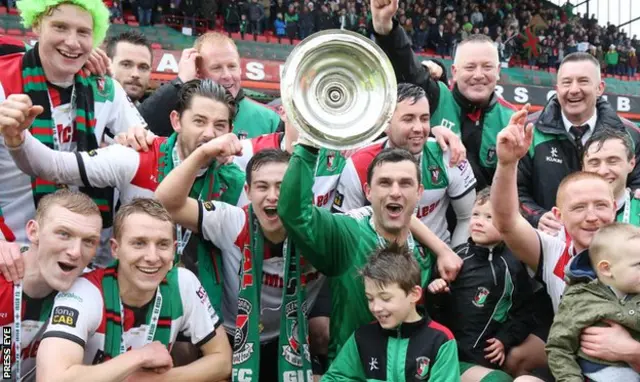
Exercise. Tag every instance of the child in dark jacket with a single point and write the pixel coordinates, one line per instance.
(487, 305)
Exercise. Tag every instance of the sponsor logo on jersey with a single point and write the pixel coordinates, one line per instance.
(481, 297)
(422, 367)
(69, 295)
(241, 349)
(63, 315)
(338, 199)
(92, 153)
(204, 300)
(554, 156)
(447, 124)
(209, 206)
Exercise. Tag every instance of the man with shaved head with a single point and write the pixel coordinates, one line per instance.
(472, 109)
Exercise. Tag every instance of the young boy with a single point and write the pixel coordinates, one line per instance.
(402, 344)
(487, 305)
(602, 285)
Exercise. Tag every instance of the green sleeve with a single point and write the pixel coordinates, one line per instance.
(346, 366)
(447, 366)
(326, 240)
(564, 338)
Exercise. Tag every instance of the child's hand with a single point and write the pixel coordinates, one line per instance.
(438, 286)
(495, 351)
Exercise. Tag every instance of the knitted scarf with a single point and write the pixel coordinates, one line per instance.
(171, 310)
(293, 349)
(206, 187)
(43, 127)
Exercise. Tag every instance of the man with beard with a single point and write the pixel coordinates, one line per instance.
(131, 59)
(561, 129)
(214, 56)
(204, 111)
(472, 109)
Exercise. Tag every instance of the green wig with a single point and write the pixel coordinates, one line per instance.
(32, 10)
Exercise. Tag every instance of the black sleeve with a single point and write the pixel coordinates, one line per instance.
(520, 321)
(157, 108)
(529, 208)
(406, 64)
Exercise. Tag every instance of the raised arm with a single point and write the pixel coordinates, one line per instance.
(513, 143)
(173, 191)
(322, 237)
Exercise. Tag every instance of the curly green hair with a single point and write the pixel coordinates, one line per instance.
(32, 10)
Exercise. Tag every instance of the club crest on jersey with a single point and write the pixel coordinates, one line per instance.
(481, 297)
(242, 135)
(241, 349)
(102, 87)
(331, 161)
(209, 206)
(435, 175)
(92, 153)
(422, 367)
(491, 155)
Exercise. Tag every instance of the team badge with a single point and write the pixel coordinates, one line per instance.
(241, 349)
(435, 175)
(481, 297)
(331, 161)
(209, 206)
(422, 367)
(491, 155)
(92, 153)
(293, 351)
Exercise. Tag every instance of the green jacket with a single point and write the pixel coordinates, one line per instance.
(254, 119)
(336, 245)
(586, 302)
(418, 351)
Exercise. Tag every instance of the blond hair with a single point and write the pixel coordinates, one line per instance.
(576, 177)
(213, 38)
(608, 242)
(74, 201)
(146, 206)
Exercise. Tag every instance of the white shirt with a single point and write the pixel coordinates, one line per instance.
(591, 122)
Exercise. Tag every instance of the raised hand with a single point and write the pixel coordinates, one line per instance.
(223, 146)
(382, 12)
(515, 139)
(17, 113)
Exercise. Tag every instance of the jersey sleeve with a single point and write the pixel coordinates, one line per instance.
(446, 367)
(551, 248)
(461, 178)
(200, 319)
(76, 313)
(112, 166)
(349, 194)
(220, 223)
(347, 365)
(124, 114)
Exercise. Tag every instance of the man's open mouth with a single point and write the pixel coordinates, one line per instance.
(271, 211)
(66, 267)
(394, 208)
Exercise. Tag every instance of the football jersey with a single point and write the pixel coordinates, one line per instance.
(79, 315)
(35, 313)
(330, 165)
(134, 174)
(441, 184)
(555, 253)
(227, 227)
(114, 114)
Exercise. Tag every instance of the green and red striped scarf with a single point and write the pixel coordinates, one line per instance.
(34, 84)
(170, 311)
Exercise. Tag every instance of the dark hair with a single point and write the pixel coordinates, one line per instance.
(411, 92)
(581, 56)
(391, 264)
(205, 88)
(392, 155)
(600, 136)
(132, 37)
(264, 157)
(483, 196)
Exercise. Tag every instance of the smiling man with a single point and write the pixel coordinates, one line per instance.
(122, 321)
(65, 109)
(63, 238)
(561, 129)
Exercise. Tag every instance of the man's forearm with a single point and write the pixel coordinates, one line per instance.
(427, 238)
(173, 191)
(113, 370)
(633, 358)
(504, 196)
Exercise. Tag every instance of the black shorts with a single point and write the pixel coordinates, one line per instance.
(543, 314)
(322, 306)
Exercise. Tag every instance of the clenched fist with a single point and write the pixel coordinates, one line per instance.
(382, 12)
(16, 115)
